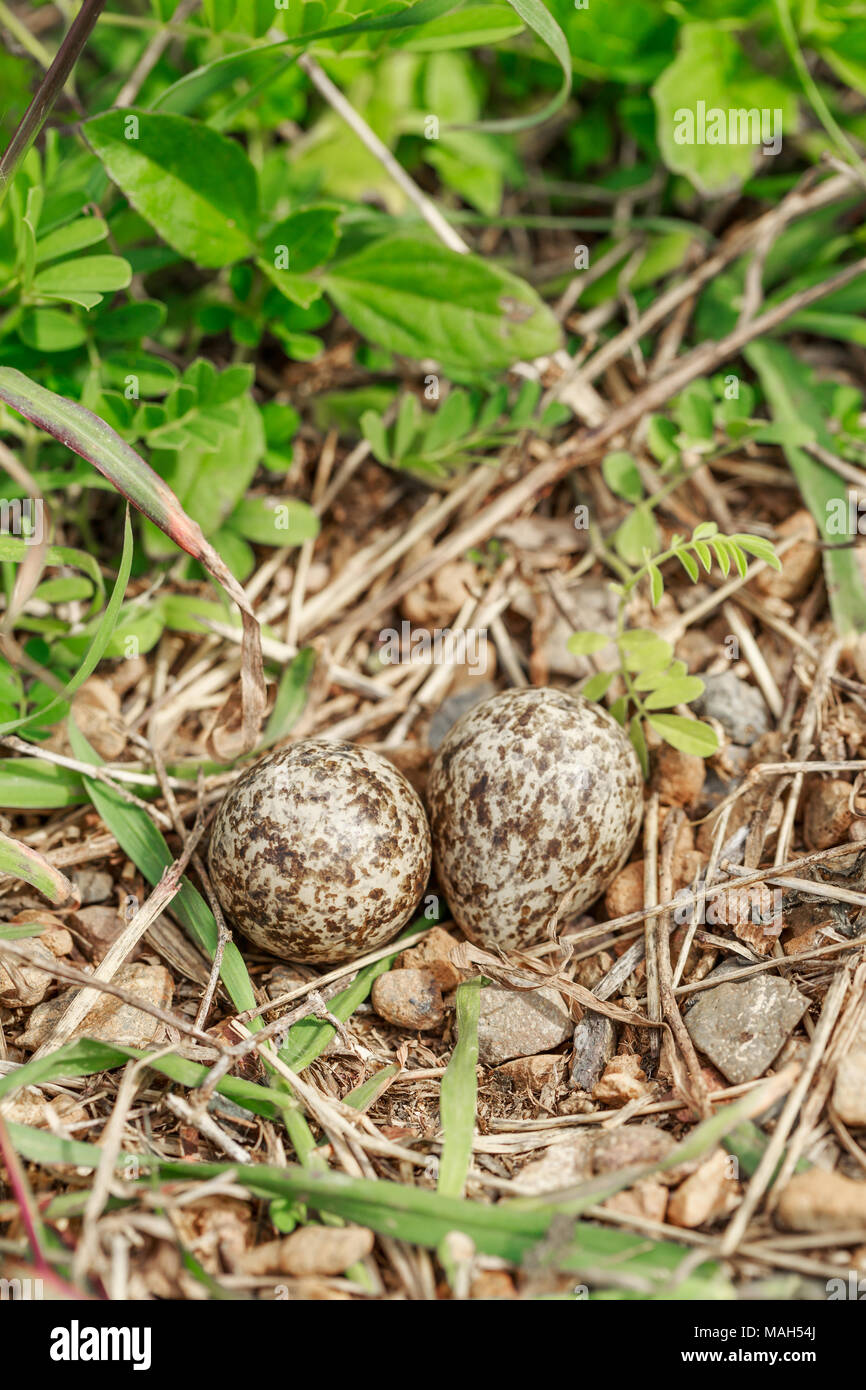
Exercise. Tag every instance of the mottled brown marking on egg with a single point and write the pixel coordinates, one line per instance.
(320, 852)
(533, 792)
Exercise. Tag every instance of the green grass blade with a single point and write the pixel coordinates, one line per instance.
(459, 1094)
(100, 641)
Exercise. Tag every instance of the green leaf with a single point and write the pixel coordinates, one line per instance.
(291, 698)
(585, 643)
(638, 534)
(308, 1038)
(644, 650)
(621, 475)
(424, 300)
(709, 75)
(101, 638)
(75, 236)
(85, 275)
(28, 784)
(195, 186)
(50, 330)
(657, 584)
(281, 521)
(28, 864)
(661, 439)
(675, 692)
(686, 735)
(597, 685)
(638, 743)
(459, 1092)
(722, 555)
(739, 558)
(308, 238)
(758, 546)
(791, 392)
(537, 17)
(689, 564)
(704, 554)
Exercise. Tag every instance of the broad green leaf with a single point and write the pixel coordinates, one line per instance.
(686, 735)
(129, 323)
(704, 97)
(196, 187)
(75, 236)
(621, 475)
(424, 300)
(585, 643)
(50, 330)
(278, 521)
(291, 698)
(303, 240)
(28, 784)
(638, 534)
(643, 650)
(597, 685)
(84, 275)
(675, 692)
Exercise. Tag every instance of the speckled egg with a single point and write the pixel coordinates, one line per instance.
(532, 794)
(320, 852)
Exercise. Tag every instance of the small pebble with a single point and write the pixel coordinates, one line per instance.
(827, 815)
(738, 706)
(704, 1195)
(110, 1019)
(623, 1080)
(94, 885)
(742, 1025)
(433, 953)
(520, 1023)
(408, 999)
(561, 1165)
(311, 1250)
(821, 1201)
(800, 564)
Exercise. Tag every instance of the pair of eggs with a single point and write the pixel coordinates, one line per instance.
(322, 851)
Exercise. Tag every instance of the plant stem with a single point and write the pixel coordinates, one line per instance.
(48, 91)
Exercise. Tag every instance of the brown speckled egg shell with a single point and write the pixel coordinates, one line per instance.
(533, 793)
(320, 852)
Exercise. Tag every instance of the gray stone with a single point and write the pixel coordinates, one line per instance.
(520, 1023)
(742, 1025)
(94, 885)
(739, 707)
(719, 973)
(594, 1045)
(454, 707)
